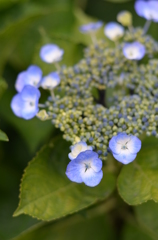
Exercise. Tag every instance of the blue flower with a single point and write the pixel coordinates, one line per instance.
(134, 51)
(91, 27)
(77, 148)
(32, 76)
(25, 103)
(85, 168)
(125, 147)
(50, 81)
(51, 53)
(113, 31)
(147, 9)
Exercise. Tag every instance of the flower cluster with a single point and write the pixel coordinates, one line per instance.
(104, 102)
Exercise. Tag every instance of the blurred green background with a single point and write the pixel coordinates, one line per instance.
(25, 25)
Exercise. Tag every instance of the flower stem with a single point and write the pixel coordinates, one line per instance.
(57, 66)
(52, 95)
(41, 105)
(146, 26)
(93, 37)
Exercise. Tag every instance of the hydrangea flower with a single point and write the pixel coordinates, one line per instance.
(91, 27)
(25, 103)
(51, 53)
(77, 148)
(32, 76)
(134, 51)
(147, 9)
(50, 81)
(85, 168)
(124, 147)
(113, 31)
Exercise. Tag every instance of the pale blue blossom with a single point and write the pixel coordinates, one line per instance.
(32, 76)
(147, 9)
(124, 147)
(50, 81)
(91, 27)
(85, 168)
(77, 148)
(113, 31)
(25, 103)
(51, 53)
(134, 51)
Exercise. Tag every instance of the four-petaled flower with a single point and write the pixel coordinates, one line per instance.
(113, 31)
(51, 53)
(147, 9)
(134, 51)
(124, 147)
(32, 76)
(25, 103)
(50, 81)
(85, 168)
(77, 148)
(91, 27)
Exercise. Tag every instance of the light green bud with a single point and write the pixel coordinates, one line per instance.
(125, 18)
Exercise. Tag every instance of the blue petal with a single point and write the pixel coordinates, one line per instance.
(17, 105)
(20, 81)
(134, 145)
(91, 27)
(34, 75)
(140, 7)
(125, 158)
(113, 145)
(30, 93)
(92, 178)
(73, 171)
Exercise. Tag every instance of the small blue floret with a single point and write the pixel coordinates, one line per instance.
(78, 148)
(25, 103)
(85, 168)
(125, 147)
(50, 81)
(32, 76)
(147, 9)
(134, 51)
(51, 53)
(113, 31)
(91, 27)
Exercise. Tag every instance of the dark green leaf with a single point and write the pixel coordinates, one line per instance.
(75, 227)
(138, 181)
(131, 232)
(3, 86)
(147, 217)
(46, 192)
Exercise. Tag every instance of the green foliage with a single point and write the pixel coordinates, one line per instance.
(3, 86)
(45, 184)
(76, 227)
(131, 232)
(147, 217)
(138, 181)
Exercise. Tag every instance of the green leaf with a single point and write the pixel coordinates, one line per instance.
(118, 1)
(46, 192)
(3, 136)
(138, 181)
(147, 217)
(3, 86)
(75, 227)
(131, 232)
